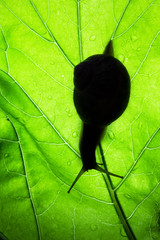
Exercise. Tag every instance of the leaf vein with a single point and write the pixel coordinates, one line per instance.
(121, 17)
(143, 201)
(145, 56)
(46, 118)
(51, 205)
(136, 161)
(51, 34)
(135, 20)
(27, 181)
(79, 30)
(42, 69)
(25, 24)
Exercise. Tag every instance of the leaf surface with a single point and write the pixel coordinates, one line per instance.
(40, 43)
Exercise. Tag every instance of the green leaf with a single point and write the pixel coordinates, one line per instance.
(40, 43)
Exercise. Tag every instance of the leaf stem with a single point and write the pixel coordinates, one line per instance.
(115, 200)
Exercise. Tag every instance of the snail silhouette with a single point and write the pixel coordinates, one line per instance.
(101, 95)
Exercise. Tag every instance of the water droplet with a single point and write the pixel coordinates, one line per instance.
(133, 38)
(52, 63)
(121, 58)
(92, 38)
(49, 97)
(6, 155)
(138, 49)
(140, 125)
(74, 134)
(93, 227)
(69, 114)
(62, 76)
(69, 163)
(111, 135)
(67, 110)
(126, 59)
(128, 196)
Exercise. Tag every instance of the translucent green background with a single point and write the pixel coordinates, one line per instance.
(40, 43)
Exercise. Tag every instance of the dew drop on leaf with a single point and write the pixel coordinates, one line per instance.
(6, 155)
(62, 76)
(69, 114)
(121, 58)
(67, 110)
(140, 125)
(111, 135)
(69, 163)
(74, 134)
(128, 196)
(93, 227)
(133, 38)
(92, 38)
(138, 49)
(126, 59)
(49, 97)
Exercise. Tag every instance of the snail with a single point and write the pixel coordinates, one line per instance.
(101, 95)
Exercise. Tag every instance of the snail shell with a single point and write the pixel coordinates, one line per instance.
(102, 89)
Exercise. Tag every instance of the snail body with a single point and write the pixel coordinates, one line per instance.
(101, 95)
